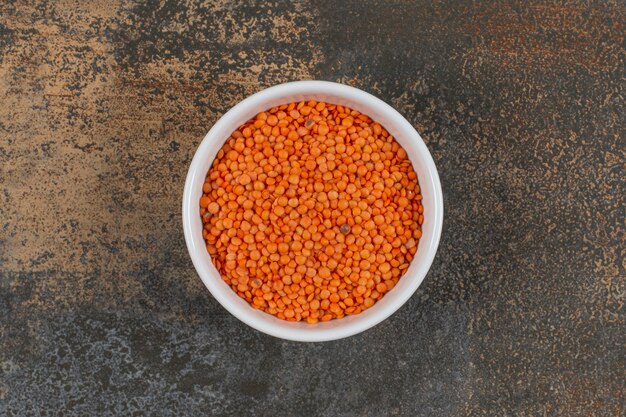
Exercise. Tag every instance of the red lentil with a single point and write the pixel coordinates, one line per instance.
(311, 211)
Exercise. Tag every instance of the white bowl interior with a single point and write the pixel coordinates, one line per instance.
(336, 94)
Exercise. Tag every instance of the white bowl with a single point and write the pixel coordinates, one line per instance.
(396, 125)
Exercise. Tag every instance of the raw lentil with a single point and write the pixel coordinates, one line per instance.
(311, 211)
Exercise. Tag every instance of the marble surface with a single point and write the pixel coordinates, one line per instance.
(103, 104)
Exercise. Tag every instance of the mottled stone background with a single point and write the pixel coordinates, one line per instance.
(103, 103)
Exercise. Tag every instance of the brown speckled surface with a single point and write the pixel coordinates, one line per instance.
(104, 102)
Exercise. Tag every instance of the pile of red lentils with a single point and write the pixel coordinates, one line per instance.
(311, 211)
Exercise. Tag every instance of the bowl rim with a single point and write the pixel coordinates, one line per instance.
(311, 334)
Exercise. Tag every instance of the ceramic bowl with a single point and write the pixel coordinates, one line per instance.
(396, 125)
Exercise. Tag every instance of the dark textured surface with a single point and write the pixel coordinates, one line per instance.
(103, 104)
